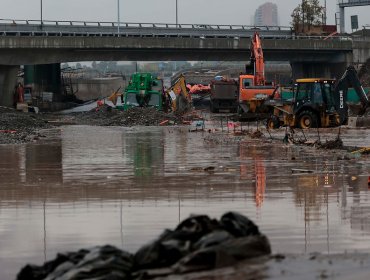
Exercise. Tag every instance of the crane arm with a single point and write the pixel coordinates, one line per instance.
(257, 60)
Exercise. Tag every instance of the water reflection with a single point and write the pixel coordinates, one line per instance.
(253, 171)
(124, 186)
(145, 151)
(44, 163)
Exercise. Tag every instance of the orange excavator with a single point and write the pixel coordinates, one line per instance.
(253, 88)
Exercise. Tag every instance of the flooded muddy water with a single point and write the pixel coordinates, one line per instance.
(90, 186)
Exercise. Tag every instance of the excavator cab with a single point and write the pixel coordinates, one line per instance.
(314, 103)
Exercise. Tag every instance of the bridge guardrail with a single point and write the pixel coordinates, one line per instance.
(10, 27)
(141, 25)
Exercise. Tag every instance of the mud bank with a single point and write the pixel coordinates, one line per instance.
(18, 127)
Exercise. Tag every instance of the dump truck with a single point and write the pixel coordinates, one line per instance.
(319, 102)
(224, 96)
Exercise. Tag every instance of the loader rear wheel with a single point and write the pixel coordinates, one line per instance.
(273, 122)
(307, 119)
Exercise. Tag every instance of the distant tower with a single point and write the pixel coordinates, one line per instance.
(266, 14)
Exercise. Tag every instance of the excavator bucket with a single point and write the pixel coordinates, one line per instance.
(182, 104)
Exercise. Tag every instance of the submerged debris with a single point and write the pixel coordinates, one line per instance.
(337, 143)
(256, 134)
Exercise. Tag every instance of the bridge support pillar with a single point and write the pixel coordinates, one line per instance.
(317, 70)
(44, 78)
(8, 79)
(341, 20)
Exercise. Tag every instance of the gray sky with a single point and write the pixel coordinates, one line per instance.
(190, 11)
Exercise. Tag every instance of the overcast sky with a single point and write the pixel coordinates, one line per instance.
(190, 11)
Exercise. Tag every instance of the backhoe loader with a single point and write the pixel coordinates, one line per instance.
(318, 102)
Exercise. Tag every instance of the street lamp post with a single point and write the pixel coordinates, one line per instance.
(118, 17)
(41, 11)
(176, 15)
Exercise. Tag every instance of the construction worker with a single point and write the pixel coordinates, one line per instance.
(20, 93)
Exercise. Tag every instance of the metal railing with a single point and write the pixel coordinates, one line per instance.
(353, 3)
(50, 28)
(142, 25)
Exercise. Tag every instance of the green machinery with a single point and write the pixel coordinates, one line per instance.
(144, 90)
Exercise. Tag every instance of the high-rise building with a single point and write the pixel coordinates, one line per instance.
(266, 14)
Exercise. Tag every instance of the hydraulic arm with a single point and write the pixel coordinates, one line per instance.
(349, 79)
(257, 60)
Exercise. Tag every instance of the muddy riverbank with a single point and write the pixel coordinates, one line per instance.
(19, 127)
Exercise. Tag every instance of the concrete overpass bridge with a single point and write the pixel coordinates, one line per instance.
(40, 43)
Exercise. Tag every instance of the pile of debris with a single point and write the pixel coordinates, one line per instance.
(19, 127)
(198, 243)
(137, 116)
(364, 74)
(337, 143)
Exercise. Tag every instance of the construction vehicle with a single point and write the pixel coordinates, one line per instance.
(224, 96)
(144, 90)
(318, 102)
(253, 88)
(180, 98)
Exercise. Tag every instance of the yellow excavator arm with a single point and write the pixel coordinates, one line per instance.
(181, 99)
(114, 96)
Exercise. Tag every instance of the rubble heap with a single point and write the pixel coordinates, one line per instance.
(18, 127)
(137, 116)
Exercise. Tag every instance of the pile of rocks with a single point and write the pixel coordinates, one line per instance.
(137, 116)
(197, 243)
(18, 127)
